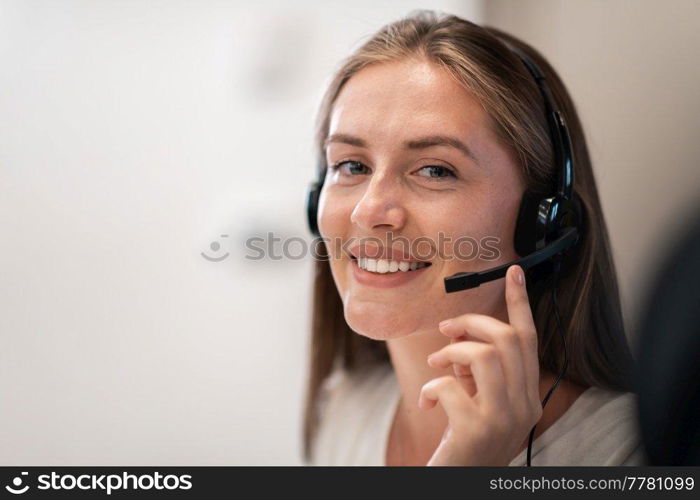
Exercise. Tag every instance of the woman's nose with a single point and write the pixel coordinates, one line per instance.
(380, 206)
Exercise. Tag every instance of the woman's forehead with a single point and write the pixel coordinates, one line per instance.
(416, 98)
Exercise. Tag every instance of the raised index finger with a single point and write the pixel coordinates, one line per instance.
(520, 318)
(517, 301)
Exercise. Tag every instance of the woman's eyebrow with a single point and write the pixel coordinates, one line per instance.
(345, 139)
(419, 143)
(441, 140)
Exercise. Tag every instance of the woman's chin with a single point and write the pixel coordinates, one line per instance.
(384, 325)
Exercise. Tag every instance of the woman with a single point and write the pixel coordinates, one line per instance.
(431, 132)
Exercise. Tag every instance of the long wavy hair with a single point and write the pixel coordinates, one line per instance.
(588, 297)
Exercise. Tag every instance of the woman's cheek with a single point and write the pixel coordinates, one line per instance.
(334, 212)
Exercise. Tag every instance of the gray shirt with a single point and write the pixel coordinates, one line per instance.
(358, 408)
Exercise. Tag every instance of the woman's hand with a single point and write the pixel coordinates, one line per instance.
(493, 401)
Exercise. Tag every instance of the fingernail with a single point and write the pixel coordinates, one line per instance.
(430, 359)
(444, 323)
(519, 276)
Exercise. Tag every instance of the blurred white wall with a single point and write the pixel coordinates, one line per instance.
(132, 136)
(632, 68)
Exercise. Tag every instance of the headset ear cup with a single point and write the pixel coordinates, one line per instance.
(572, 217)
(525, 239)
(569, 218)
(312, 197)
(565, 216)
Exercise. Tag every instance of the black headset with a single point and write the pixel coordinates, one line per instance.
(547, 227)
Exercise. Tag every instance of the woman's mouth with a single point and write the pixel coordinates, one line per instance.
(382, 266)
(383, 273)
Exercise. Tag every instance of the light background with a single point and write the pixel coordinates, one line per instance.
(133, 134)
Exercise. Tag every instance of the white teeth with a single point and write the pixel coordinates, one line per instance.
(383, 266)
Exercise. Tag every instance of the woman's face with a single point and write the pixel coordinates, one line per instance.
(403, 183)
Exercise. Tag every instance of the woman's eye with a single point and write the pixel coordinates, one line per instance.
(436, 172)
(354, 168)
(350, 167)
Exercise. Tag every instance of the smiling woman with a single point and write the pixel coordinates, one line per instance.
(431, 132)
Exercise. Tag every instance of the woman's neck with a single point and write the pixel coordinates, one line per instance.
(420, 429)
